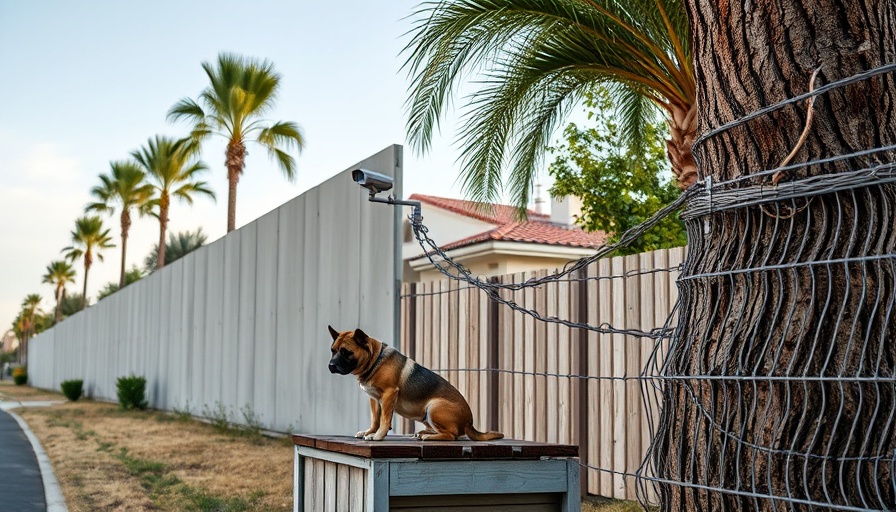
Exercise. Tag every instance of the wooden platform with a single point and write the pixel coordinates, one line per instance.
(342, 473)
(406, 447)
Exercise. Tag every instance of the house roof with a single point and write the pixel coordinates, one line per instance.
(537, 230)
(492, 213)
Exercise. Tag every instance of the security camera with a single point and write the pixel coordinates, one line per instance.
(372, 181)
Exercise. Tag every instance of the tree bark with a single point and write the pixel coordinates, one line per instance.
(88, 261)
(125, 227)
(235, 162)
(164, 202)
(761, 301)
(59, 292)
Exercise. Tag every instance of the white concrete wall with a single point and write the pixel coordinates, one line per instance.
(243, 321)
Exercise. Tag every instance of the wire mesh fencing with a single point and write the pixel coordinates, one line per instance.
(768, 385)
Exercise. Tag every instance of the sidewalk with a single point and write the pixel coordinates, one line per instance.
(25, 469)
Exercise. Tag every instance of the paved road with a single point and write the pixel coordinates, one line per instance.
(21, 486)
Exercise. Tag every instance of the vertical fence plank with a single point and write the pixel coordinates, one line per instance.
(619, 359)
(556, 406)
(633, 399)
(605, 368)
(540, 335)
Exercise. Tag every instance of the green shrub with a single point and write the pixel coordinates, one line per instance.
(72, 389)
(132, 392)
(20, 375)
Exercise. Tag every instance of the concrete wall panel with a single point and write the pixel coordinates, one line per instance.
(242, 323)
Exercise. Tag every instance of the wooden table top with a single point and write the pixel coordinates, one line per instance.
(406, 447)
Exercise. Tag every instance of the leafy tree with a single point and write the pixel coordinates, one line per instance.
(618, 187)
(131, 276)
(71, 303)
(123, 188)
(539, 58)
(59, 273)
(26, 323)
(174, 173)
(179, 245)
(88, 239)
(241, 92)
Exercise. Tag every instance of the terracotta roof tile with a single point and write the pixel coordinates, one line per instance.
(538, 229)
(492, 213)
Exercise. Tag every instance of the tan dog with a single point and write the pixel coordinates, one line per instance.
(396, 383)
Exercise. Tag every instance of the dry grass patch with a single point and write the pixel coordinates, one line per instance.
(11, 392)
(107, 459)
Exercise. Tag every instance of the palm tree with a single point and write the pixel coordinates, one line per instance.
(540, 57)
(242, 90)
(169, 164)
(123, 187)
(30, 307)
(179, 245)
(88, 238)
(59, 273)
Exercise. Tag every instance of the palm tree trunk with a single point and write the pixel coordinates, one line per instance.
(59, 291)
(125, 227)
(164, 202)
(235, 161)
(739, 437)
(683, 132)
(87, 262)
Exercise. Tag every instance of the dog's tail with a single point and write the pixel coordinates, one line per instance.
(476, 435)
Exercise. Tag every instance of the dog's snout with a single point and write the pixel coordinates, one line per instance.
(333, 368)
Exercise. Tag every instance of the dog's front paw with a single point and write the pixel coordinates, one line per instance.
(361, 434)
(376, 436)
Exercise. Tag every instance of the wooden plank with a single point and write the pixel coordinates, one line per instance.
(472, 354)
(619, 358)
(454, 334)
(507, 354)
(557, 410)
(309, 485)
(443, 340)
(563, 354)
(358, 477)
(650, 405)
(463, 340)
(411, 478)
(529, 404)
(475, 502)
(343, 488)
(330, 485)
(540, 334)
(603, 437)
(318, 486)
(520, 359)
(634, 402)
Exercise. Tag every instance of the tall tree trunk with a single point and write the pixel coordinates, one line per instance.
(125, 227)
(235, 161)
(164, 202)
(88, 261)
(734, 431)
(59, 294)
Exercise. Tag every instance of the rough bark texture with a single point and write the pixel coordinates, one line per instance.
(164, 202)
(235, 162)
(59, 291)
(88, 261)
(125, 226)
(683, 131)
(826, 442)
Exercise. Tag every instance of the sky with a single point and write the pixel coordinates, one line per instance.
(86, 83)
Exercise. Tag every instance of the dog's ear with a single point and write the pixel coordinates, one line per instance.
(333, 332)
(360, 337)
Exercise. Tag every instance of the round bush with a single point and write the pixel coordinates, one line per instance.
(72, 389)
(20, 376)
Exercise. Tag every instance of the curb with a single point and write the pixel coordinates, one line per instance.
(52, 491)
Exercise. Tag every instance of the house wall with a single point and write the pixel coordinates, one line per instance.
(242, 322)
(495, 264)
(444, 227)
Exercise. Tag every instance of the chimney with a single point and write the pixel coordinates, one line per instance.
(565, 211)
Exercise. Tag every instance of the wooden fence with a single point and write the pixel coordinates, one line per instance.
(548, 382)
